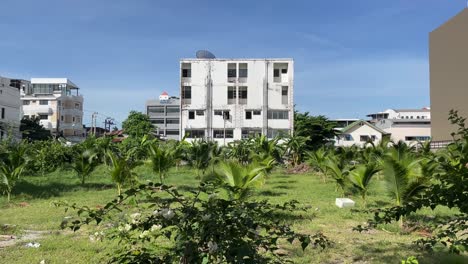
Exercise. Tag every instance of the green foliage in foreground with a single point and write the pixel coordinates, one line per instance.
(202, 228)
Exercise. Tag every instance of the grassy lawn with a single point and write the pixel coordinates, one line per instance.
(32, 209)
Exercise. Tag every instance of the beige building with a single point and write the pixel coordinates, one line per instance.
(58, 104)
(448, 56)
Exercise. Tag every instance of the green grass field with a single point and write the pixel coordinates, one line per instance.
(32, 209)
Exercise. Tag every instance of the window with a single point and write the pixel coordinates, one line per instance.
(191, 115)
(257, 112)
(243, 95)
(373, 138)
(276, 73)
(195, 133)
(186, 70)
(43, 102)
(284, 70)
(61, 118)
(186, 94)
(248, 132)
(43, 117)
(231, 70)
(219, 133)
(26, 116)
(73, 120)
(365, 138)
(248, 114)
(172, 121)
(243, 70)
(156, 110)
(348, 137)
(26, 102)
(157, 121)
(231, 94)
(200, 112)
(172, 132)
(172, 110)
(272, 133)
(77, 105)
(226, 115)
(278, 114)
(78, 119)
(423, 117)
(417, 138)
(284, 95)
(218, 113)
(411, 117)
(3, 113)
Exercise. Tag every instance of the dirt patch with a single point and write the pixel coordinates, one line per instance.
(299, 169)
(28, 235)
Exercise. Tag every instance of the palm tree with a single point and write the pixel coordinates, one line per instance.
(84, 164)
(120, 167)
(317, 160)
(295, 147)
(240, 150)
(339, 171)
(239, 178)
(403, 175)
(361, 176)
(263, 148)
(199, 156)
(13, 161)
(162, 159)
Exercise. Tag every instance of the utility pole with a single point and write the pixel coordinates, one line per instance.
(108, 122)
(93, 123)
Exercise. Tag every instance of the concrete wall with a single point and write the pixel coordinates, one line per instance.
(10, 102)
(448, 54)
(209, 84)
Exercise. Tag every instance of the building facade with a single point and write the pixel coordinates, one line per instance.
(407, 125)
(359, 133)
(230, 99)
(10, 106)
(58, 104)
(448, 60)
(164, 114)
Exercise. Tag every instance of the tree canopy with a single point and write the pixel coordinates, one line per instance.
(137, 124)
(318, 129)
(31, 129)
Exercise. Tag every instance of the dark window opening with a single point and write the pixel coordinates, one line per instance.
(191, 115)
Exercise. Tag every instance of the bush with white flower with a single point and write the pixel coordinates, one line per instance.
(200, 227)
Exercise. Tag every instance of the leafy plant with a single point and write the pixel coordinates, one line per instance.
(121, 167)
(13, 161)
(84, 163)
(162, 159)
(361, 176)
(200, 228)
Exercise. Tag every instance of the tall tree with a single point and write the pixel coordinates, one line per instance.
(318, 129)
(137, 124)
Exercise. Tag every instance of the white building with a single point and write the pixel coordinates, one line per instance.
(359, 133)
(58, 104)
(408, 125)
(231, 99)
(10, 106)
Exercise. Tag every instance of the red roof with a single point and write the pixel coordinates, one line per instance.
(164, 93)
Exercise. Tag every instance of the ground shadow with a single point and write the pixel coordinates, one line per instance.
(271, 193)
(284, 187)
(285, 182)
(53, 189)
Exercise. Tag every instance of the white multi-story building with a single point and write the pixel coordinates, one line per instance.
(230, 99)
(10, 106)
(57, 103)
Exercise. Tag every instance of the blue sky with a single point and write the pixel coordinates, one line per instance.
(351, 57)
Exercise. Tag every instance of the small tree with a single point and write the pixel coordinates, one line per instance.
(361, 176)
(13, 160)
(137, 124)
(162, 159)
(121, 167)
(84, 163)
